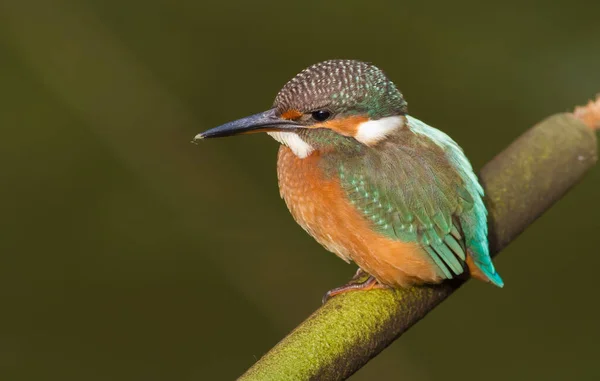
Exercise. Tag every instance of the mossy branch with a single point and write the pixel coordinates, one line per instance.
(521, 183)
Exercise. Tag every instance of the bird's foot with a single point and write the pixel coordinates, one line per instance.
(360, 281)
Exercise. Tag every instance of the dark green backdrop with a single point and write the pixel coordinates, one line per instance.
(128, 253)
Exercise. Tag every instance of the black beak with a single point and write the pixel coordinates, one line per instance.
(261, 122)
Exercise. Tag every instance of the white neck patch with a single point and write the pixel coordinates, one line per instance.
(298, 146)
(372, 132)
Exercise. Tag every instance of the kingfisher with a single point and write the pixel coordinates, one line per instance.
(371, 183)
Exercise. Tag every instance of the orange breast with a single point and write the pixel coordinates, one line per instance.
(320, 206)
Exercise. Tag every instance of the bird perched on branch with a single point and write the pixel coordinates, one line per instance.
(371, 183)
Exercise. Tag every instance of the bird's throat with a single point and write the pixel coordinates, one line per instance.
(293, 141)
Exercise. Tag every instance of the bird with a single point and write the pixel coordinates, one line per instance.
(371, 183)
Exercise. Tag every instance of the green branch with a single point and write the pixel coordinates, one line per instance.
(521, 183)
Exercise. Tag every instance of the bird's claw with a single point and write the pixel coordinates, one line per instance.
(360, 281)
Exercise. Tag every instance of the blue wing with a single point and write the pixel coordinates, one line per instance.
(420, 187)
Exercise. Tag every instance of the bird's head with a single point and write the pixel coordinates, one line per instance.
(330, 104)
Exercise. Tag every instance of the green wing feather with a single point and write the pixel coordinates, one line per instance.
(420, 187)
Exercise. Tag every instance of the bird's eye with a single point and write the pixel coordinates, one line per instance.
(321, 115)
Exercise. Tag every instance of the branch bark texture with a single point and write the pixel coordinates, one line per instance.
(521, 183)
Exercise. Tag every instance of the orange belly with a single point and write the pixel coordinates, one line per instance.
(320, 206)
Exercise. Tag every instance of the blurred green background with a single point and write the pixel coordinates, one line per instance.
(130, 254)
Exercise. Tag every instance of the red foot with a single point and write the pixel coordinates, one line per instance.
(357, 283)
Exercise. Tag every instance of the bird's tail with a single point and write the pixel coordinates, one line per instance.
(589, 114)
(482, 268)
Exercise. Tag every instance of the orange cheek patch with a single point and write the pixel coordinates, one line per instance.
(291, 114)
(347, 126)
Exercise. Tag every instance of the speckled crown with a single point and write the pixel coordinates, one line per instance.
(342, 86)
